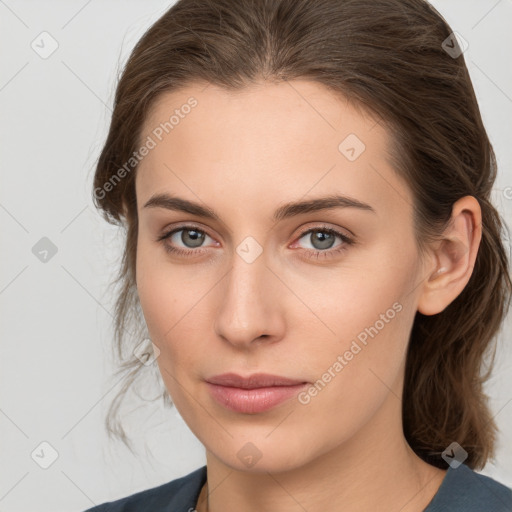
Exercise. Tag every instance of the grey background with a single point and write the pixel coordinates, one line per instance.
(56, 372)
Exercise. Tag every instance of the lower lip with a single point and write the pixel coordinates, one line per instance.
(252, 401)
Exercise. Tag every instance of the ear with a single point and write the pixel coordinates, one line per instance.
(453, 257)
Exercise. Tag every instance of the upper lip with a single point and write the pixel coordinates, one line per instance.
(257, 380)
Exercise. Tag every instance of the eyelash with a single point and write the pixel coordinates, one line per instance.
(327, 253)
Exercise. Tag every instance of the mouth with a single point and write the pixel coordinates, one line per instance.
(253, 394)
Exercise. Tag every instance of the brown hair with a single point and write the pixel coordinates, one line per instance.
(387, 57)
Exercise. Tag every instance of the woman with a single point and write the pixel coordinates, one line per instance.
(305, 187)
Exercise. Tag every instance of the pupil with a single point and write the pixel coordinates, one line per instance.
(325, 239)
(196, 237)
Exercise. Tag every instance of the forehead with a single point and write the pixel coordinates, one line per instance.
(308, 107)
(268, 141)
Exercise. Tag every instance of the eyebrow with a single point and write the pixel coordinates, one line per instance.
(283, 212)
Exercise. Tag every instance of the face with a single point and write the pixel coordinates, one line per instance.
(324, 296)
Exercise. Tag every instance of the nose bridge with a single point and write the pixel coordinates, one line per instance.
(247, 308)
(248, 273)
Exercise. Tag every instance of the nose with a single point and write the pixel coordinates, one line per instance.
(250, 304)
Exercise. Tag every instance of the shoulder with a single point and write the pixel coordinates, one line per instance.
(179, 494)
(466, 490)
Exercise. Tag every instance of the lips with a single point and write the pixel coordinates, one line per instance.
(257, 380)
(253, 394)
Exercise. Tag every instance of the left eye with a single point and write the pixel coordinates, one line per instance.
(321, 239)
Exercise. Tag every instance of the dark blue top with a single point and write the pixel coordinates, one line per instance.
(462, 490)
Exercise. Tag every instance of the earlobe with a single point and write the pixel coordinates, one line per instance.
(455, 258)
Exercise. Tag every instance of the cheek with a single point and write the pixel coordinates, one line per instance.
(174, 301)
(162, 293)
(346, 300)
(161, 286)
(367, 315)
(165, 304)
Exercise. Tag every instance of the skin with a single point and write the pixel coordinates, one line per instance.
(244, 154)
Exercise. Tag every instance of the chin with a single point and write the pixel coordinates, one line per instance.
(263, 454)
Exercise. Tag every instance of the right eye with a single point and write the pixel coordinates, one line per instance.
(190, 236)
